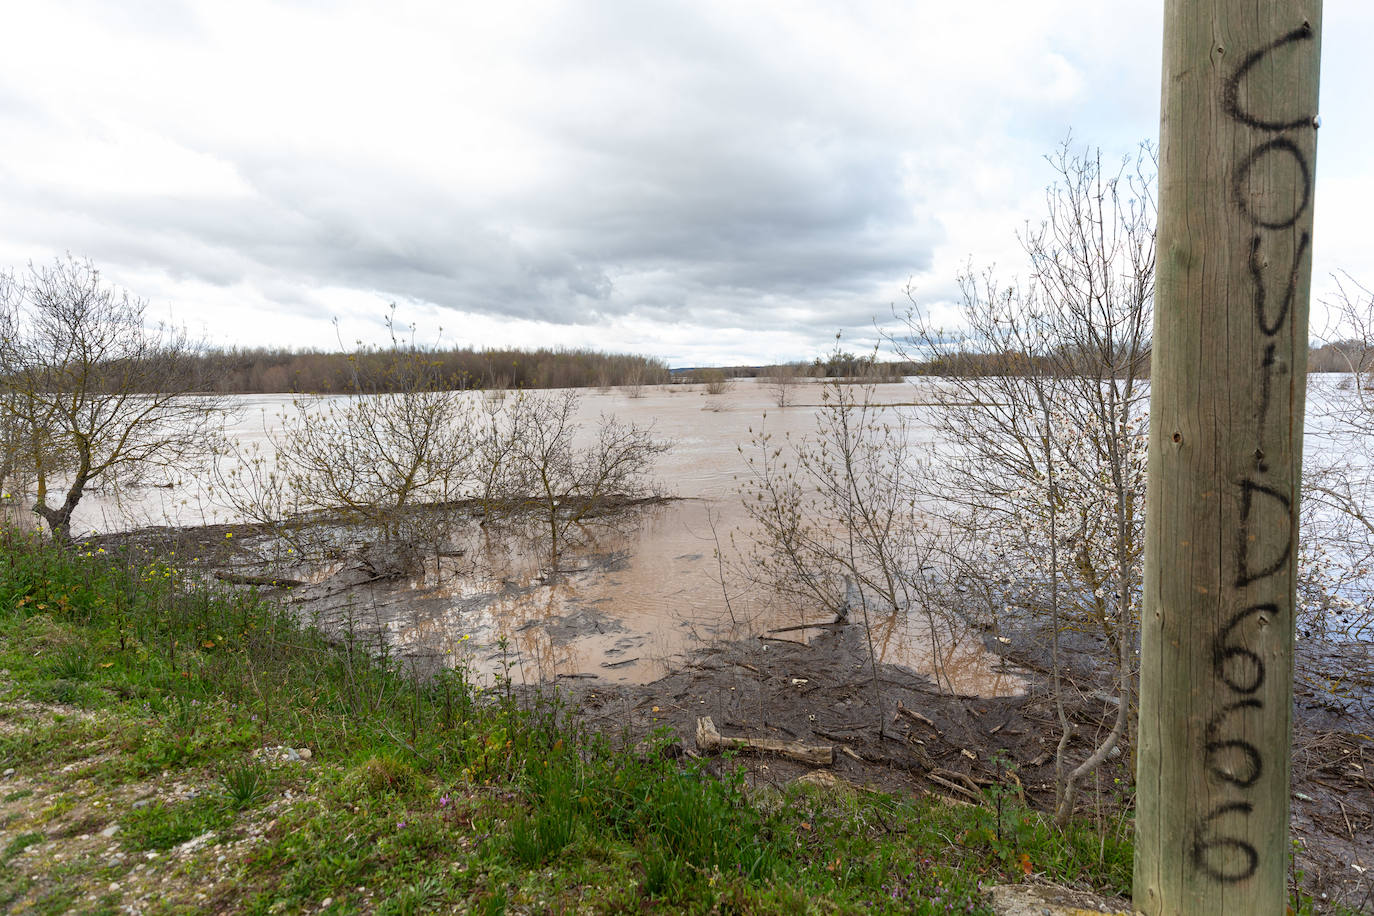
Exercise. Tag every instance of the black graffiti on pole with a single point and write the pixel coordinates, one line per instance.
(1223, 856)
(1224, 653)
(1280, 145)
(1230, 98)
(1216, 744)
(1267, 327)
(1204, 845)
(1249, 489)
(1266, 393)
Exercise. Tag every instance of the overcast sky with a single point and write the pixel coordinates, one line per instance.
(707, 182)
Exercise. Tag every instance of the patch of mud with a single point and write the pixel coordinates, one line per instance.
(898, 732)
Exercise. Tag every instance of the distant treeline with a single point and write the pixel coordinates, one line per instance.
(266, 370)
(262, 370)
(1334, 357)
(1343, 356)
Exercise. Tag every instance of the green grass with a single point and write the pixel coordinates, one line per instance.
(19, 844)
(434, 795)
(162, 826)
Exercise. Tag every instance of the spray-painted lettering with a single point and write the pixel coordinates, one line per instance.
(1221, 847)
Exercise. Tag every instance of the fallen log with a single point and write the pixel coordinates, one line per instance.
(711, 741)
(954, 780)
(808, 626)
(793, 642)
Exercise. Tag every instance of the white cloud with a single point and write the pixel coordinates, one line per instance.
(680, 178)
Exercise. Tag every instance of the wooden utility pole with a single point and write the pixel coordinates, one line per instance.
(1229, 367)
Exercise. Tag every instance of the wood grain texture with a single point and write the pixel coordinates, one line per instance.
(1237, 169)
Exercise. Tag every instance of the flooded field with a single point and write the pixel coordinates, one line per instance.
(632, 602)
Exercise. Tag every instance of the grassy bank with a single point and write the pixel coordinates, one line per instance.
(180, 748)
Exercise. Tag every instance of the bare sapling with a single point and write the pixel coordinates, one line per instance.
(1336, 547)
(837, 525)
(1040, 454)
(715, 380)
(783, 382)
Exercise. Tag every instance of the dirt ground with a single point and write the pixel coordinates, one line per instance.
(899, 733)
(823, 693)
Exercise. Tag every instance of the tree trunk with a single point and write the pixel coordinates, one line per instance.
(60, 519)
(1237, 160)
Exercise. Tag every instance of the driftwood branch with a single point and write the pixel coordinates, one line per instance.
(710, 741)
(915, 716)
(953, 786)
(807, 626)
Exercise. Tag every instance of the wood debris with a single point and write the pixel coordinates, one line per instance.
(711, 741)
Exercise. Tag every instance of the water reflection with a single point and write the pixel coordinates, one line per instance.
(640, 601)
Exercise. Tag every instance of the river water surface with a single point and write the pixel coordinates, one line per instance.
(673, 578)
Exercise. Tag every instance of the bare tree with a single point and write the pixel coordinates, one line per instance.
(400, 443)
(715, 380)
(537, 464)
(634, 382)
(1337, 545)
(782, 383)
(837, 527)
(93, 395)
(1041, 462)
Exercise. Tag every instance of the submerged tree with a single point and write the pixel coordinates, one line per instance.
(837, 526)
(400, 443)
(538, 463)
(93, 395)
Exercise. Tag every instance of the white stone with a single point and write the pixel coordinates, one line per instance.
(193, 845)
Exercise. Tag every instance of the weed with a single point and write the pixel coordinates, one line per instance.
(384, 774)
(419, 897)
(494, 904)
(664, 875)
(244, 785)
(72, 664)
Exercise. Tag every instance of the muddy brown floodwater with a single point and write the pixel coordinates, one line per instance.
(644, 595)
(639, 596)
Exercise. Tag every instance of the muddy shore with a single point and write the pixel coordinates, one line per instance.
(890, 729)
